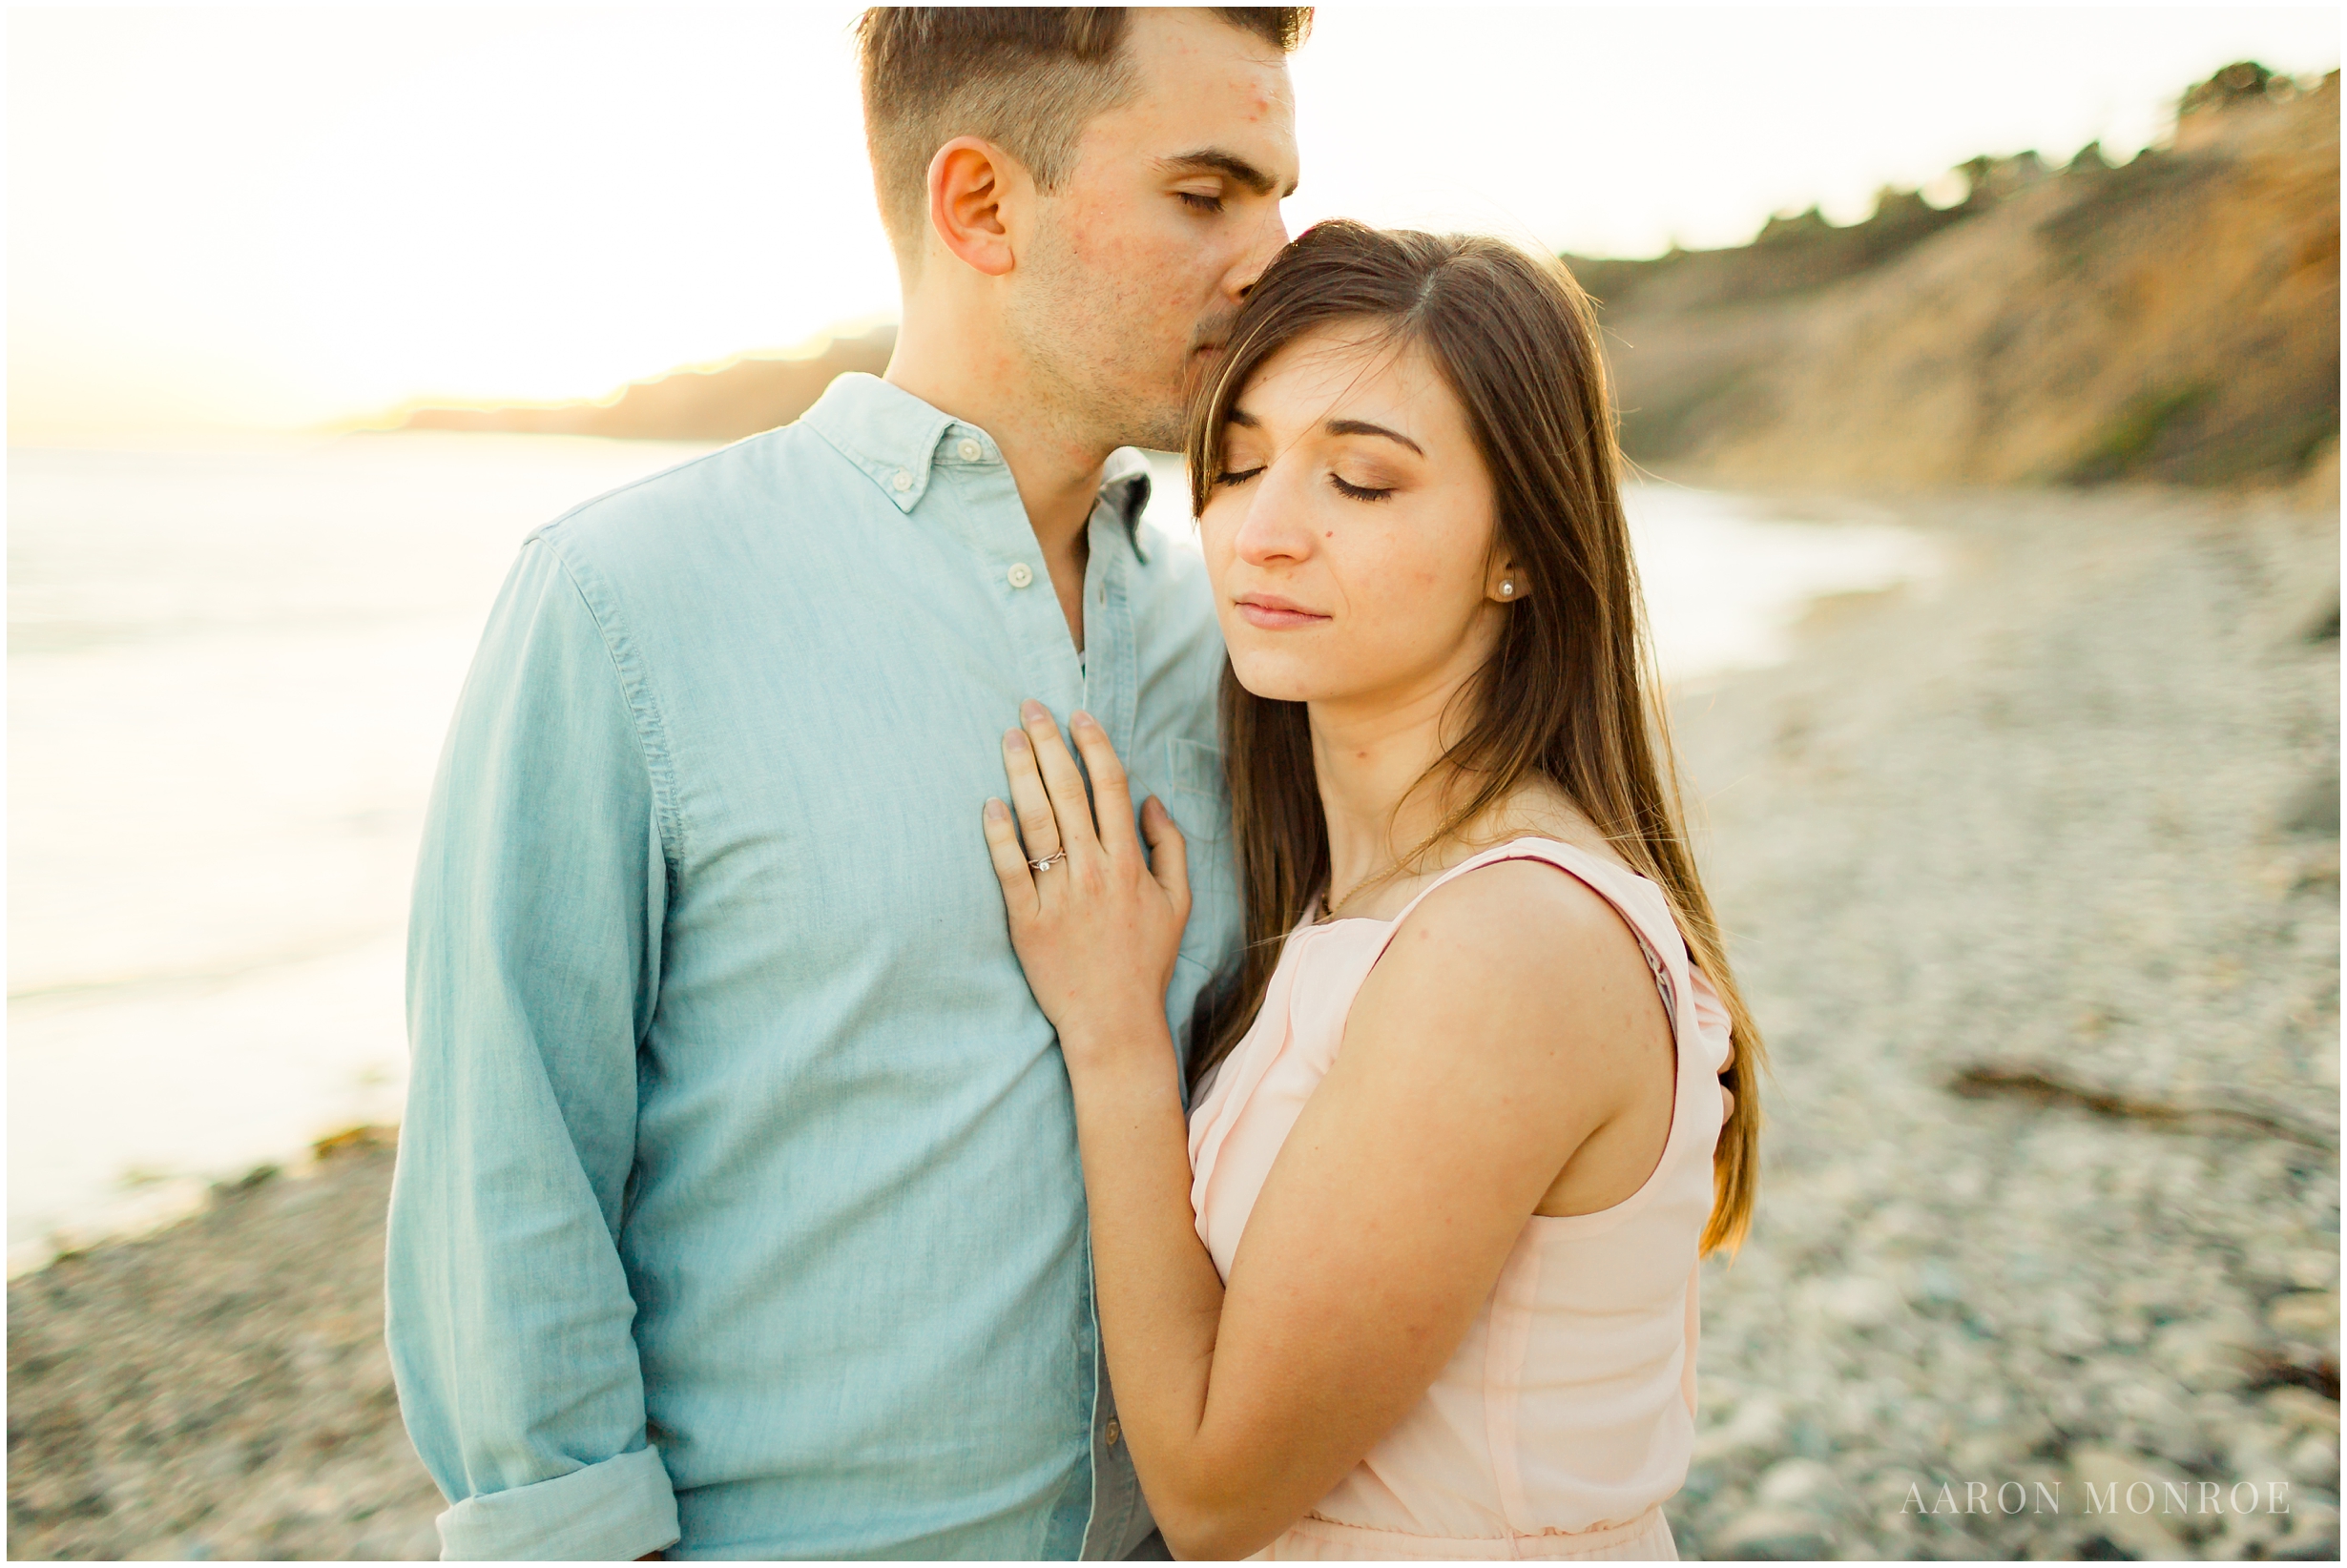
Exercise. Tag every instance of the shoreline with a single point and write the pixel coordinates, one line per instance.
(2047, 824)
(309, 1007)
(156, 1206)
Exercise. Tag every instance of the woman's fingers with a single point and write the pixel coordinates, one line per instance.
(1112, 793)
(1061, 778)
(1011, 863)
(1169, 854)
(1038, 823)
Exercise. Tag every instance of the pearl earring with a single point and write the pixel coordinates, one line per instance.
(1507, 588)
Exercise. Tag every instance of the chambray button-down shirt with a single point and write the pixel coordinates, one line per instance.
(739, 1191)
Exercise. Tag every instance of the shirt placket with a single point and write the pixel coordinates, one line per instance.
(1105, 682)
(1111, 683)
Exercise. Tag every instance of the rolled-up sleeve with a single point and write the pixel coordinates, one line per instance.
(533, 964)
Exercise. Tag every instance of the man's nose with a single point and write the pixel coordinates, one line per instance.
(1271, 237)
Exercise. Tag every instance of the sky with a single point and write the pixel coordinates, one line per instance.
(227, 219)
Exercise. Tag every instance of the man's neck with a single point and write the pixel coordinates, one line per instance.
(973, 374)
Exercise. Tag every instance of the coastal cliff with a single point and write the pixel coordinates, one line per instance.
(2174, 319)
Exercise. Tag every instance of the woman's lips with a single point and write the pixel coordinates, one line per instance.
(1273, 614)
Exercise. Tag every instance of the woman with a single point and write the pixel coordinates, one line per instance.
(1416, 1278)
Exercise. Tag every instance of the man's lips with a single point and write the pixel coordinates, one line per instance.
(1272, 613)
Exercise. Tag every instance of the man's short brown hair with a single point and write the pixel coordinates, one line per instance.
(1027, 78)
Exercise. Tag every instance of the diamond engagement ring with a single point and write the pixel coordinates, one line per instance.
(1050, 860)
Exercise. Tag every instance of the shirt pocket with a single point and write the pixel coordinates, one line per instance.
(1200, 797)
(1196, 791)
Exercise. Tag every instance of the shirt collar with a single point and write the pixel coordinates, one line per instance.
(898, 441)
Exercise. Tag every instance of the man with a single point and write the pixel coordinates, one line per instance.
(739, 1209)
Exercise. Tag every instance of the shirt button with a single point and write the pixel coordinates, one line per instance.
(1020, 574)
(903, 481)
(970, 450)
(1111, 1433)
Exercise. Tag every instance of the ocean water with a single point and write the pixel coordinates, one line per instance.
(229, 674)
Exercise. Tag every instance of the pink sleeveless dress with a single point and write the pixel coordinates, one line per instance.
(1566, 1415)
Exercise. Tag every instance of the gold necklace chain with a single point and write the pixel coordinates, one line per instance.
(1357, 890)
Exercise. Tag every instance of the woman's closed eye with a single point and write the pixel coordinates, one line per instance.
(1357, 492)
(1236, 475)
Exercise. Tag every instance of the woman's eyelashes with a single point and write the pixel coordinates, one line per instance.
(1230, 478)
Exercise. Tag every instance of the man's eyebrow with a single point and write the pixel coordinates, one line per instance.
(1213, 161)
(1362, 428)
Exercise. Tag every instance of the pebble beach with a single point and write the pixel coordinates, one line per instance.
(2033, 877)
(2031, 873)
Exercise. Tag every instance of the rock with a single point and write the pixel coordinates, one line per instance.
(2246, 1536)
(1796, 1483)
(2312, 1269)
(1771, 1536)
(1858, 1301)
(1758, 1423)
(2217, 1352)
(2159, 1421)
(1984, 1453)
(2071, 1327)
(2314, 1460)
(2296, 1410)
(2313, 1531)
(1936, 1285)
(2313, 808)
(2310, 1316)
(2256, 1452)
(2128, 1497)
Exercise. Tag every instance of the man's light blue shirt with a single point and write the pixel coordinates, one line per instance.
(739, 1191)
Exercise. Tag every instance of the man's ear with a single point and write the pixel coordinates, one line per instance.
(972, 182)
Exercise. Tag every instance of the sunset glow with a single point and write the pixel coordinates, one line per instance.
(227, 219)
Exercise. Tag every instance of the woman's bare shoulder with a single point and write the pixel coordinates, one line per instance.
(1508, 912)
(1518, 949)
(1515, 995)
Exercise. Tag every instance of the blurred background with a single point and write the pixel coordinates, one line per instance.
(1981, 366)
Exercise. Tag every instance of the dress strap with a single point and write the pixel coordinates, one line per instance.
(1659, 943)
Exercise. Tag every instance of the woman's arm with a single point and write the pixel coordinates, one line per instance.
(1513, 1017)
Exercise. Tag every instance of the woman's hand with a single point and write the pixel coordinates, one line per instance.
(1097, 929)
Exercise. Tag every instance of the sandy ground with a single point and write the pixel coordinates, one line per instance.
(2033, 876)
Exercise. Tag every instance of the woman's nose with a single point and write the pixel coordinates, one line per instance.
(1273, 528)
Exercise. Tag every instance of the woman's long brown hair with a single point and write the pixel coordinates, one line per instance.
(1569, 694)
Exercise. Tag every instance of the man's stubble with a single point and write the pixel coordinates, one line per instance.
(1098, 382)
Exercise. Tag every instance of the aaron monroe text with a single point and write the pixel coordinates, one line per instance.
(2198, 1497)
